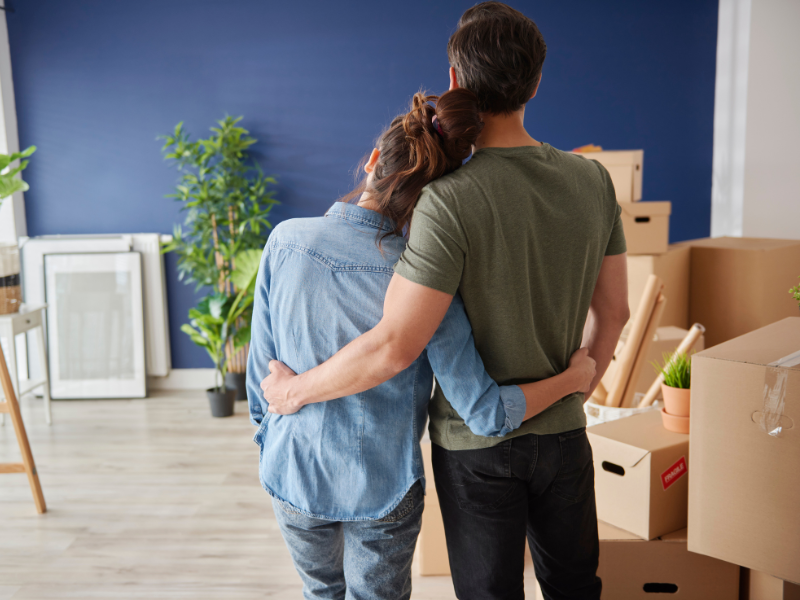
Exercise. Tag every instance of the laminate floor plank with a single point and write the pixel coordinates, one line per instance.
(148, 499)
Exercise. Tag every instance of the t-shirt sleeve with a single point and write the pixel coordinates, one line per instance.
(616, 241)
(434, 256)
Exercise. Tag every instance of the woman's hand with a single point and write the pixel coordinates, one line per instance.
(582, 367)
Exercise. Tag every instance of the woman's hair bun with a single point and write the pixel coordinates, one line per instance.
(414, 151)
(459, 121)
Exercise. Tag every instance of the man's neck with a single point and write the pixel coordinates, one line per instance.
(504, 131)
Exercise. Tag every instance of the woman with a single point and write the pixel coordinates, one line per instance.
(346, 476)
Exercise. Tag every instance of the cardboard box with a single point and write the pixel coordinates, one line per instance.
(744, 485)
(672, 268)
(633, 569)
(625, 168)
(667, 339)
(646, 226)
(741, 284)
(431, 554)
(756, 585)
(640, 475)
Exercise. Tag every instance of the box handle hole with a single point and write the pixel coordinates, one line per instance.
(660, 588)
(612, 468)
(642, 219)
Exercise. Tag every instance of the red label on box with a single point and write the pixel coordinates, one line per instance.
(674, 473)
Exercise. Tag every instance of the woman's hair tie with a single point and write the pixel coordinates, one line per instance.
(437, 126)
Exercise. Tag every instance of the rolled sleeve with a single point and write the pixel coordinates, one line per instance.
(515, 406)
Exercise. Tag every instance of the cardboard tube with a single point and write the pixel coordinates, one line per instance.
(644, 349)
(617, 388)
(600, 393)
(685, 346)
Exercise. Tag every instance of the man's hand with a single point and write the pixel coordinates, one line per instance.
(583, 367)
(276, 387)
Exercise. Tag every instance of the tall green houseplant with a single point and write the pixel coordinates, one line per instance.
(227, 200)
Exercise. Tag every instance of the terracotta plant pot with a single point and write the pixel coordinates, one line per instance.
(673, 423)
(676, 400)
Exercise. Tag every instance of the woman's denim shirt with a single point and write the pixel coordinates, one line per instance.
(321, 284)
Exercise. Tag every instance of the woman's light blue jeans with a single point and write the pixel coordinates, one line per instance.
(354, 560)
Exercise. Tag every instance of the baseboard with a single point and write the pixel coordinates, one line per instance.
(183, 379)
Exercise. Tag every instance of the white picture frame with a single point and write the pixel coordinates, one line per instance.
(98, 299)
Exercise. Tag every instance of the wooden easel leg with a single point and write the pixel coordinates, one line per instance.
(12, 407)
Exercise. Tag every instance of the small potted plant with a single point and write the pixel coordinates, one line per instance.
(677, 373)
(216, 326)
(795, 292)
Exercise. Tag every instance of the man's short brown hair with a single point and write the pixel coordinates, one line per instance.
(497, 53)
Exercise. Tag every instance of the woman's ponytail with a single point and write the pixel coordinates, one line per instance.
(430, 141)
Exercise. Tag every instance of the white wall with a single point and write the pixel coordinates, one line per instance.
(12, 212)
(756, 178)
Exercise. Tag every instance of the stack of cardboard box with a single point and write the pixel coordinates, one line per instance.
(641, 487)
(646, 226)
(738, 491)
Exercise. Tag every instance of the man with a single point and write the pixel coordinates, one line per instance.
(531, 237)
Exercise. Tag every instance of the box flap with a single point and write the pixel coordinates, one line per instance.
(774, 343)
(647, 208)
(615, 157)
(609, 532)
(616, 452)
(676, 536)
(737, 243)
(644, 431)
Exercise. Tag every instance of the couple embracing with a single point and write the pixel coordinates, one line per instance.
(481, 276)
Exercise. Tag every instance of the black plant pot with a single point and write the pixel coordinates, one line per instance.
(238, 382)
(221, 402)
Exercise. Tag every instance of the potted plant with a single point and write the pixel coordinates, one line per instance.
(677, 374)
(10, 183)
(227, 200)
(213, 326)
(795, 292)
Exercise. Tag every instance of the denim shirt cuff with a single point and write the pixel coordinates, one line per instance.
(515, 406)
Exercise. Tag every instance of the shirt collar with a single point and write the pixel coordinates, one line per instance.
(362, 216)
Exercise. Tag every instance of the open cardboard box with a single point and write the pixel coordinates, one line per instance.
(744, 485)
(646, 226)
(672, 267)
(640, 475)
(625, 167)
(741, 284)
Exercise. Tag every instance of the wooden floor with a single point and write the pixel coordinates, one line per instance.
(146, 499)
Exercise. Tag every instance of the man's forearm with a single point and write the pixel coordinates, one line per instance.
(602, 343)
(541, 395)
(364, 363)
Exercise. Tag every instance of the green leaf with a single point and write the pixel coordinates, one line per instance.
(247, 265)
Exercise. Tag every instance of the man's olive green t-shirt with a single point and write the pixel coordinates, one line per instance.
(521, 234)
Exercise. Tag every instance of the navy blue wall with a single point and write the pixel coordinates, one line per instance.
(97, 81)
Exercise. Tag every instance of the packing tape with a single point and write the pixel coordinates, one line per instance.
(771, 419)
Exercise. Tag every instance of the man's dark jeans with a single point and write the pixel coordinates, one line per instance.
(539, 486)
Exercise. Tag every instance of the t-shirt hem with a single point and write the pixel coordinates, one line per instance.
(567, 419)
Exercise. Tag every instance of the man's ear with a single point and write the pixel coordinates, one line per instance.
(373, 160)
(453, 79)
(536, 89)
